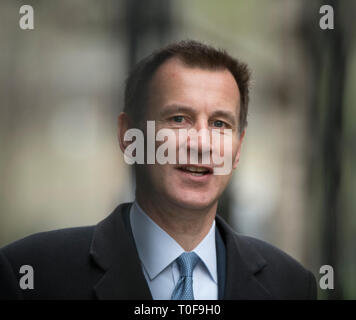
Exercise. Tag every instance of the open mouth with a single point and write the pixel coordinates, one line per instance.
(197, 171)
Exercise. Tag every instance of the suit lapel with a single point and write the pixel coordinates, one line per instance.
(242, 264)
(221, 263)
(114, 251)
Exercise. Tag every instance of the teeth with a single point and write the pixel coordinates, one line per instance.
(196, 169)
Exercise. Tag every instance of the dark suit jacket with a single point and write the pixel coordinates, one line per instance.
(101, 262)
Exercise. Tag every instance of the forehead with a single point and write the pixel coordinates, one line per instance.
(203, 89)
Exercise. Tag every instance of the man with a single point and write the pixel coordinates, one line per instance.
(169, 243)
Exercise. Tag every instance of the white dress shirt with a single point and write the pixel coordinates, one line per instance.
(158, 251)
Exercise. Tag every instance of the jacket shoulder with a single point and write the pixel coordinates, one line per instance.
(50, 242)
(283, 275)
(269, 252)
(59, 258)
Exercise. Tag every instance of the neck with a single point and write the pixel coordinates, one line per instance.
(187, 226)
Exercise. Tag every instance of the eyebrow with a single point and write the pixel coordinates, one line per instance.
(227, 115)
(176, 108)
(172, 108)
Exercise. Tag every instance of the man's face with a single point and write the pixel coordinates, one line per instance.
(183, 97)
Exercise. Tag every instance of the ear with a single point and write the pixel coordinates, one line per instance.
(237, 157)
(123, 126)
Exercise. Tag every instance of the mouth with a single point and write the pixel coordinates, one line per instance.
(196, 171)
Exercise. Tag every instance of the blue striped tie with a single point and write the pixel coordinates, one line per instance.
(184, 288)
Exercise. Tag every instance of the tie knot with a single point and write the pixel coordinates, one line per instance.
(186, 263)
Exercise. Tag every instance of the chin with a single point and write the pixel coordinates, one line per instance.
(194, 201)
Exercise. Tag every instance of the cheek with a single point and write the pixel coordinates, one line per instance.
(224, 147)
(166, 146)
(163, 175)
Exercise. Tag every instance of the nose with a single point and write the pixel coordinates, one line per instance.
(199, 142)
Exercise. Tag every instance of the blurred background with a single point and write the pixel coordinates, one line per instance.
(61, 90)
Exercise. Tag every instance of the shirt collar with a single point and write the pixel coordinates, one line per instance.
(206, 250)
(157, 249)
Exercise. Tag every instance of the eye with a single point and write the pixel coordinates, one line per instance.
(178, 119)
(219, 123)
